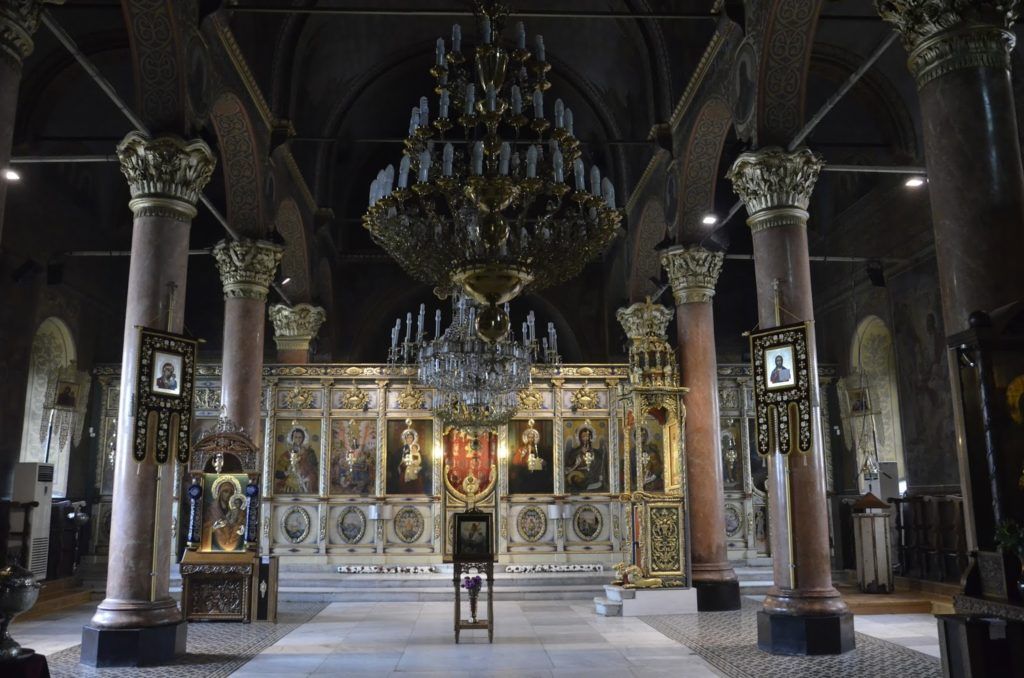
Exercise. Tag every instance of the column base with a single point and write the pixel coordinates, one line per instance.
(716, 596)
(145, 646)
(805, 635)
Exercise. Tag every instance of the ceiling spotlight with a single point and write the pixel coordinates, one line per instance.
(286, 281)
(11, 175)
(709, 219)
(914, 182)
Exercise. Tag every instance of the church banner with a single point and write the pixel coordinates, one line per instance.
(782, 388)
(163, 396)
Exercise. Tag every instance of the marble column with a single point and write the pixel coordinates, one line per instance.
(693, 273)
(165, 176)
(959, 54)
(294, 330)
(19, 20)
(247, 268)
(803, 613)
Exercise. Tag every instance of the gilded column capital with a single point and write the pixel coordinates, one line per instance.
(295, 326)
(19, 20)
(775, 185)
(946, 35)
(165, 174)
(692, 272)
(247, 267)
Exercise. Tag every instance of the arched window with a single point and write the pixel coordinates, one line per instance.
(52, 368)
(872, 407)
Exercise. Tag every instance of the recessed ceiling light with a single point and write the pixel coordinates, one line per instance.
(11, 175)
(709, 219)
(914, 182)
(286, 281)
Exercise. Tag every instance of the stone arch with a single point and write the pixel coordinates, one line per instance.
(699, 168)
(239, 160)
(871, 408)
(295, 260)
(156, 34)
(644, 263)
(53, 349)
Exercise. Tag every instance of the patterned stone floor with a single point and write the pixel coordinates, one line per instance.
(533, 638)
(728, 641)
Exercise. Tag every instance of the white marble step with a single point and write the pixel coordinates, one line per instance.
(618, 593)
(607, 608)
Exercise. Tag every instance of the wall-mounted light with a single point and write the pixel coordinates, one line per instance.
(286, 281)
(11, 175)
(914, 182)
(709, 219)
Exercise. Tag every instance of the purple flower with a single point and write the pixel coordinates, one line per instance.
(471, 584)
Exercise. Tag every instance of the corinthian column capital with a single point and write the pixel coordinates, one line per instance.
(692, 272)
(247, 267)
(946, 35)
(165, 174)
(775, 185)
(19, 20)
(295, 326)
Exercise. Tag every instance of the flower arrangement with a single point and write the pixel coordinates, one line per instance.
(472, 584)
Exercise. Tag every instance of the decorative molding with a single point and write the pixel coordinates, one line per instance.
(165, 174)
(644, 320)
(775, 185)
(19, 20)
(247, 267)
(693, 273)
(295, 326)
(411, 398)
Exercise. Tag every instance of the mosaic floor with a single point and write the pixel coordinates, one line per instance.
(533, 638)
(727, 641)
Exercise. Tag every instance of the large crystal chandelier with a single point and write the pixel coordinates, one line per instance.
(490, 196)
(475, 383)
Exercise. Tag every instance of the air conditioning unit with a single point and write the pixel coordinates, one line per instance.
(34, 482)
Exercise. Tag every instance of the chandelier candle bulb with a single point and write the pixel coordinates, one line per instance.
(538, 104)
(470, 96)
(595, 181)
(517, 100)
(531, 162)
(478, 158)
(439, 51)
(579, 175)
(403, 172)
(419, 322)
(487, 30)
(437, 324)
(520, 35)
(503, 158)
(539, 51)
(445, 102)
(492, 98)
(568, 120)
(424, 112)
(558, 166)
(559, 114)
(608, 191)
(447, 159)
(456, 38)
(414, 120)
(408, 327)
(424, 167)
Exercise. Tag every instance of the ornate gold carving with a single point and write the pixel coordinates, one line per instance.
(771, 180)
(584, 399)
(354, 398)
(531, 399)
(247, 267)
(165, 174)
(644, 320)
(632, 577)
(298, 398)
(652, 360)
(207, 398)
(19, 20)
(942, 36)
(410, 398)
(295, 326)
(693, 273)
(664, 539)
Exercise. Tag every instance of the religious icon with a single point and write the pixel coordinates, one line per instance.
(351, 524)
(532, 523)
(224, 512)
(732, 462)
(167, 375)
(297, 464)
(66, 396)
(780, 360)
(585, 459)
(409, 468)
(472, 536)
(353, 456)
(859, 402)
(587, 522)
(651, 453)
(530, 468)
(296, 524)
(409, 524)
(470, 463)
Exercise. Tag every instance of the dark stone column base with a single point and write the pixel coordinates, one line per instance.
(716, 596)
(805, 635)
(133, 647)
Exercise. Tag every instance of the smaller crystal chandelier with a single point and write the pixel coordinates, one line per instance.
(476, 383)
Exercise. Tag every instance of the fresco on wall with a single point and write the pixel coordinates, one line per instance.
(924, 378)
